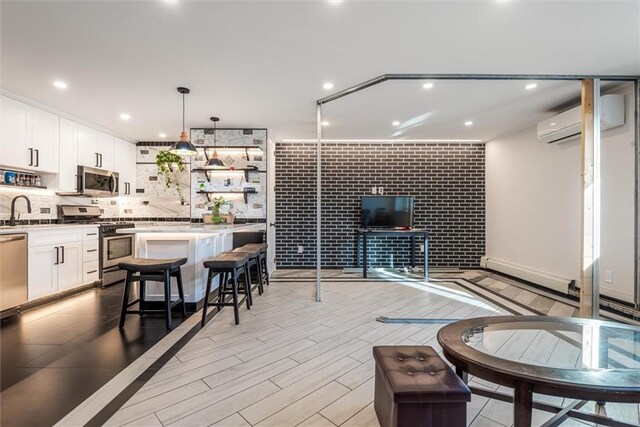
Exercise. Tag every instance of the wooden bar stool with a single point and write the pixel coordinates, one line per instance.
(262, 259)
(254, 261)
(230, 266)
(155, 270)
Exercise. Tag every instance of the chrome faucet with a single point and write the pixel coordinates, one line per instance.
(12, 220)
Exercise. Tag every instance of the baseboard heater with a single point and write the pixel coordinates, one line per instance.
(556, 283)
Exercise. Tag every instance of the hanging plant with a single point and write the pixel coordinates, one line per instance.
(169, 166)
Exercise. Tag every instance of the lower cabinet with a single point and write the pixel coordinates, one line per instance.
(58, 260)
(43, 272)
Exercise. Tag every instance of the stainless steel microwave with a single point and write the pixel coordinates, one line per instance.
(94, 182)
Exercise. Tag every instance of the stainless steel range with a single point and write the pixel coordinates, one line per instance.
(114, 247)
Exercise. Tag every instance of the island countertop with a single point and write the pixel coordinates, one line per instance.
(193, 228)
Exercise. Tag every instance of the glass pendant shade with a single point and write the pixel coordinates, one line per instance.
(214, 162)
(183, 147)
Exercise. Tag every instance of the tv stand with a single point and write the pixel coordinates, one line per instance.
(366, 233)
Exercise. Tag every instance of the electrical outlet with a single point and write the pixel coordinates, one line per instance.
(300, 249)
(421, 247)
(380, 191)
(608, 276)
(374, 190)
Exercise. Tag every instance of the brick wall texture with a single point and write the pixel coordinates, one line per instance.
(447, 180)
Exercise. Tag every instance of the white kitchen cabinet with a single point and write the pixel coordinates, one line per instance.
(88, 147)
(43, 272)
(68, 164)
(57, 259)
(70, 265)
(125, 165)
(14, 126)
(95, 148)
(105, 151)
(44, 140)
(29, 137)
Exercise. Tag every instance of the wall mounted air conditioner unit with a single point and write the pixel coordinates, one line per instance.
(568, 125)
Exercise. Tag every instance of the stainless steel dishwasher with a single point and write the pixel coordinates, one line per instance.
(13, 270)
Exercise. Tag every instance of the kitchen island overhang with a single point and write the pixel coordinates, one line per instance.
(196, 242)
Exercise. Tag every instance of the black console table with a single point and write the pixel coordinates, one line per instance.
(365, 233)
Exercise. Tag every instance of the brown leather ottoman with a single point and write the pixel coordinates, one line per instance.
(415, 388)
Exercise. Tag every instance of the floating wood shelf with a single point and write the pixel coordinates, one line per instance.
(246, 148)
(246, 172)
(4, 184)
(209, 192)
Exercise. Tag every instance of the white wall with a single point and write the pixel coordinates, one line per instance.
(533, 204)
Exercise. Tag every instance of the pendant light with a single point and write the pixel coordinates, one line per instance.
(183, 147)
(214, 162)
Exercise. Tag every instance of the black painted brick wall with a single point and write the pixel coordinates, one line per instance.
(447, 180)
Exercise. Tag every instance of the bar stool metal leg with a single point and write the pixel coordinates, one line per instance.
(143, 290)
(247, 286)
(125, 299)
(206, 296)
(181, 292)
(167, 297)
(222, 288)
(234, 290)
(260, 278)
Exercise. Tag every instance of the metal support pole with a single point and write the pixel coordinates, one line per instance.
(636, 116)
(319, 205)
(590, 219)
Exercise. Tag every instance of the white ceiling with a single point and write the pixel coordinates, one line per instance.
(263, 63)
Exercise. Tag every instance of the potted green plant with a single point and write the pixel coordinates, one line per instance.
(169, 166)
(215, 209)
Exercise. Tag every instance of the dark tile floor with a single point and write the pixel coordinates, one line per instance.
(55, 356)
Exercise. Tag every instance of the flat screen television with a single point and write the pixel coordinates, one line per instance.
(386, 211)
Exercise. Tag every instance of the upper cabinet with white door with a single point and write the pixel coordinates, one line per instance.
(68, 174)
(28, 137)
(125, 165)
(95, 148)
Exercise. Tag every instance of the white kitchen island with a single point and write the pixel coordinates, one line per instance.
(196, 242)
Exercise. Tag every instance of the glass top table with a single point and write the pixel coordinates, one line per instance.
(568, 357)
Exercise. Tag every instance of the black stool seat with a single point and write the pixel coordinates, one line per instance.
(146, 265)
(262, 247)
(250, 251)
(142, 270)
(227, 260)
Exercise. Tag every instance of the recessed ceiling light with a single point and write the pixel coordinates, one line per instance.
(468, 123)
(327, 86)
(531, 86)
(125, 116)
(60, 84)
(324, 123)
(334, 1)
(396, 123)
(427, 86)
(162, 135)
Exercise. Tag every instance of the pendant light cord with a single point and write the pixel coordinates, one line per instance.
(183, 112)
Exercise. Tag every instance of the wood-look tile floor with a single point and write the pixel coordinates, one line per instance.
(295, 362)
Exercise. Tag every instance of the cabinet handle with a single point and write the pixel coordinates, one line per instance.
(97, 160)
(62, 262)
(92, 271)
(92, 234)
(100, 159)
(37, 158)
(57, 256)
(30, 156)
(92, 250)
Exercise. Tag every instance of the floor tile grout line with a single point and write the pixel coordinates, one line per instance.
(111, 407)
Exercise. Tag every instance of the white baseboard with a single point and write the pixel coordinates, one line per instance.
(551, 281)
